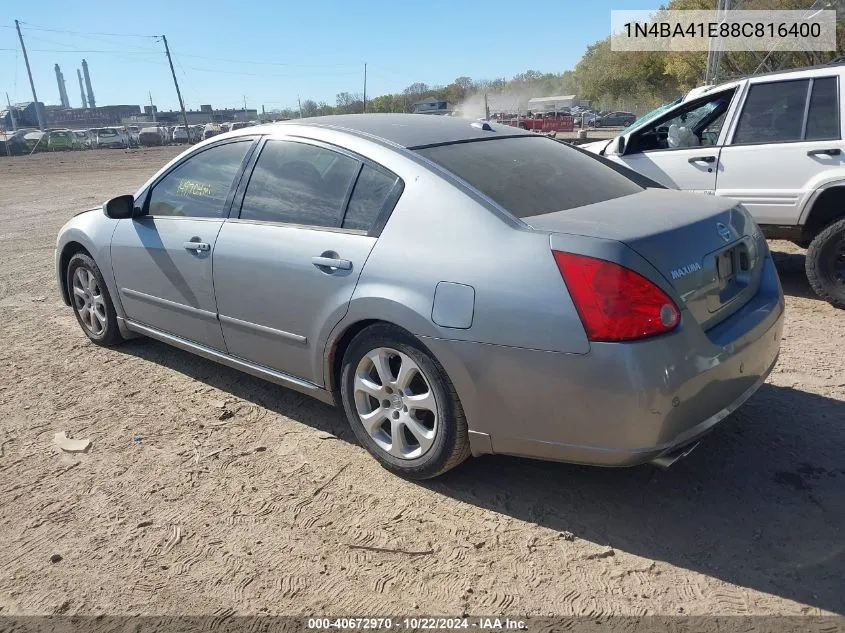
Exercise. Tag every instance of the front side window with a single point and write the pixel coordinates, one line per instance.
(199, 187)
(297, 183)
(532, 175)
(773, 113)
(694, 125)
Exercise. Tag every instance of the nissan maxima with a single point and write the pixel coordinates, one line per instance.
(456, 287)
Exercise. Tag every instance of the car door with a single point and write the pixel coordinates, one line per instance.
(286, 266)
(162, 259)
(787, 134)
(680, 149)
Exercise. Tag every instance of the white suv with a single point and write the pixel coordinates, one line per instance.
(773, 142)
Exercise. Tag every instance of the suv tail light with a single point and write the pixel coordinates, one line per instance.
(614, 302)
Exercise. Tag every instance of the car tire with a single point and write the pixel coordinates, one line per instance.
(415, 442)
(91, 302)
(825, 263)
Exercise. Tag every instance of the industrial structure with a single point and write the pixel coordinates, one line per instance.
(81, 89)
(91, 103)
(60, 79)
(206, 114)
(102, 116)
(34, 114)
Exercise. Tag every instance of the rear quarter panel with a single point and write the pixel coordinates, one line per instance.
(438, 234)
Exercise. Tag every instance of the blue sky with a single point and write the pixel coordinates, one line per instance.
(270, 52)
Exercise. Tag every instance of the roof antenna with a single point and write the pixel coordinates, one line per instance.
(483, 125)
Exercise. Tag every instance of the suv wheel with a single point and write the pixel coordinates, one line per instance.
(825, 263)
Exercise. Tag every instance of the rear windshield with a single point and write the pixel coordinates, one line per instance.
(532, 175)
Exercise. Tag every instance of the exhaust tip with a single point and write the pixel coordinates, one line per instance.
(667, 459)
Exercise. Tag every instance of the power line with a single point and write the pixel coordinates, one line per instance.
(263, 63)
(121, 43)
(156, 38)
(86, 50)
(246, 74)
(74, 48)
(42, 28)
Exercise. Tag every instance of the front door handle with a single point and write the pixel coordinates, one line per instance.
(825, 152)
(702, 159)
(331, 262)
(197, 246)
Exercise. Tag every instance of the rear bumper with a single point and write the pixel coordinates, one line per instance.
(619, 404)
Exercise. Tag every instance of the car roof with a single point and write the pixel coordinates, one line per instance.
(834, 66)
(406, 130)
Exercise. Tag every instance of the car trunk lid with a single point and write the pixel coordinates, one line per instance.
(707, 248)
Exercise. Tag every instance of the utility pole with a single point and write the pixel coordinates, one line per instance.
(176, 83)
(12, 114)
(486, 108)
(365, 87)
(31, 83)
(716, 47)
(245, 116)
(152, 107)
(300, 106)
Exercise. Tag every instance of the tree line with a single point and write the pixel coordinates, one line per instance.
(637, 81)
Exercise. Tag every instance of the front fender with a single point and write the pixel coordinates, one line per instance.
(92, 230)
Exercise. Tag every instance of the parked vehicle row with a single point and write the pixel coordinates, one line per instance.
(26, 141)
(554, 121)
(773, 142)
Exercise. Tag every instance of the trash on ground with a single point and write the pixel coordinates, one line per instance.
(69, 445)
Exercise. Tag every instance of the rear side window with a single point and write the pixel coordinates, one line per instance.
(297, 183)
(823, 115)
(532, 175)
(372, 192)
(775, 112)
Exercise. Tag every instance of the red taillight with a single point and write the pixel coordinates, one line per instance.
(614, 302)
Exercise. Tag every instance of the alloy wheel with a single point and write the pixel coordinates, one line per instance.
(89, 301)
(395, 402)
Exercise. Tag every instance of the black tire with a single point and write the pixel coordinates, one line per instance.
(450, 445)
(825, 263)
(110, 334)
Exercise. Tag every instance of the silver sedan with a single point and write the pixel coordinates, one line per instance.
(457, 287)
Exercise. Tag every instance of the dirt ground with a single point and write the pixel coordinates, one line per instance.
(243, 497)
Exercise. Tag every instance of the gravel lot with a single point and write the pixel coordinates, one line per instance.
(243, 497)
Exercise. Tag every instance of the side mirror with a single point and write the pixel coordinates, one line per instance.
(120, 208)
(617, 146)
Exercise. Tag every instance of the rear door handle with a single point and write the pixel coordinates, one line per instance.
(197, 246)
(702, 159)
(331, 262)
(825, 152)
